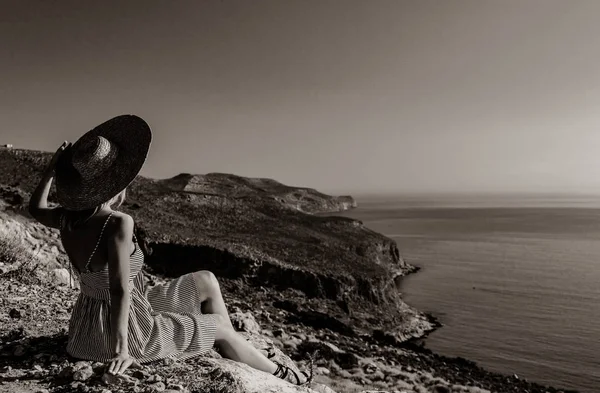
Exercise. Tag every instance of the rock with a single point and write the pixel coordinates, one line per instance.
(66, 372)
(156, 387)
(333, 366)
(154, 378)
(175, 388)
(370, 367)
(98, 367)
(403, 385)
(345, 360)
(320, 388)
(61, 276)
(322, 371)
(291, 343)
(224, 375)
(168, 361)
(333, 347)
(140, 374)
(14, 313)
(19, 351)
(75, 385)
(81, 364)
(83, 374)
(245, 322)
(377, 375)
(119, 379)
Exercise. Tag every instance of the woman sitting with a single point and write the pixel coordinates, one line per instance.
(118, 318)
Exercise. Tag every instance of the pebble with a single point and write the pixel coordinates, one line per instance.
(66, 372)
(168, 361)
(378, 375)
(140, 374)
(83, 374)
(370, 368)
(154, 378)
(19, 350)
(157, 387)
(117, 379)
(323, 371)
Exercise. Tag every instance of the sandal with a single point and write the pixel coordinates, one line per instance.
(288, 374)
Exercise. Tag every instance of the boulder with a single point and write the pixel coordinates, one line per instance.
(227, 376)
(245, 322)
(62, 276)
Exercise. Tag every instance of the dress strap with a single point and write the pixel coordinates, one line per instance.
(97, 243)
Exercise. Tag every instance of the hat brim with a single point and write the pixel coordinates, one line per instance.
(132, 136)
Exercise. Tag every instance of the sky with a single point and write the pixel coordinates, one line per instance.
(345, 96)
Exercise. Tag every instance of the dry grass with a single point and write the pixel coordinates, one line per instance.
(13, 252)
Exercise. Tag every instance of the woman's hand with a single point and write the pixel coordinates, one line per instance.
(122, 362)
(57, 154)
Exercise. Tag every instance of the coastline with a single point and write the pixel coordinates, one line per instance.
(448, 366)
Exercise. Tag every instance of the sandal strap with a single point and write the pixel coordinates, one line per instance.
(283, 371)
(295, 375)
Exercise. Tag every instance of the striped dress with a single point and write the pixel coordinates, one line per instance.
(165, 321)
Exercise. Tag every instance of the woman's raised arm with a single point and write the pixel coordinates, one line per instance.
(38, 204)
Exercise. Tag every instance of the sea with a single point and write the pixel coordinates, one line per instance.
(515, 280)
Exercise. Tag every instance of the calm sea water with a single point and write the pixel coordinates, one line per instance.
(516, 282)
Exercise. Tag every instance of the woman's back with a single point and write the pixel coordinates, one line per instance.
(90, 239)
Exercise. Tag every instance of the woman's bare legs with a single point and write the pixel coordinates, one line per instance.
(235, 347)
(210, 295)
(231, 344)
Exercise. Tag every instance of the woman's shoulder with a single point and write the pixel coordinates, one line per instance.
(120, 223)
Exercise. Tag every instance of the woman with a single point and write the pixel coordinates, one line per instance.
(117, 318)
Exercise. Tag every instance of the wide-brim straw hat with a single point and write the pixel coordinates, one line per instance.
(102, 163)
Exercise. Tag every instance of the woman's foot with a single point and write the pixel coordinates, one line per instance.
(288, 374)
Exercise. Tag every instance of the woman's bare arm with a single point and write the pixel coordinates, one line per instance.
(119, 246)
(38, 204)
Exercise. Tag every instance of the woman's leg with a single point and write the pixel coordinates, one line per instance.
(235, 347)
(210, 295)
(231, 344)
